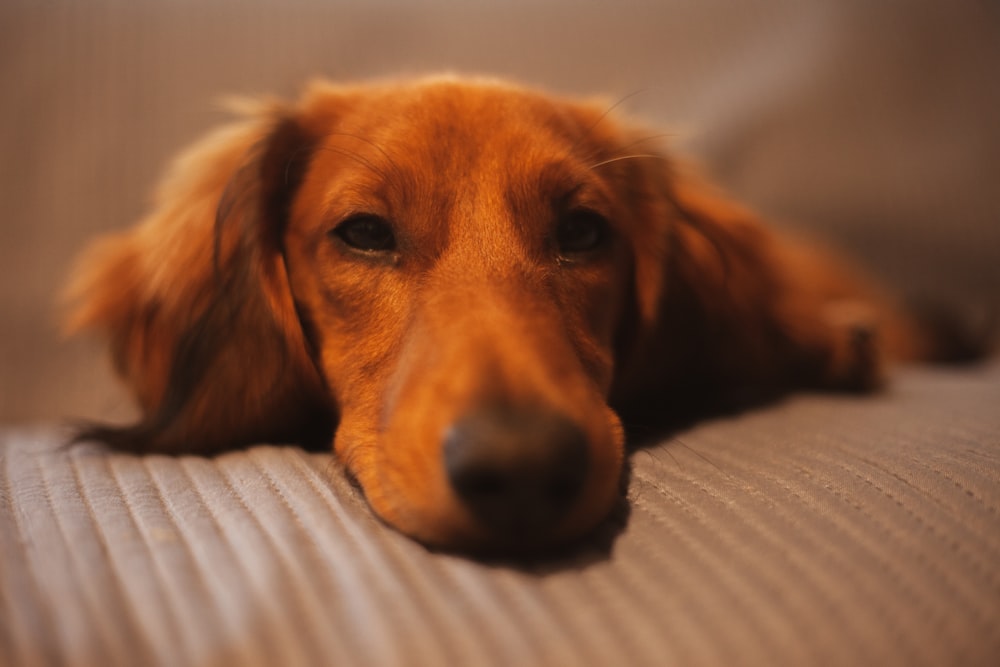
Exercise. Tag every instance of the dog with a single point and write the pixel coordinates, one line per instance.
(471, 289)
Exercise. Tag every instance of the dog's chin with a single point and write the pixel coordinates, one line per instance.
(449, 527)
(514, 543)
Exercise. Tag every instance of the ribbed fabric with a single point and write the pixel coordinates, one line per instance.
(822, 530)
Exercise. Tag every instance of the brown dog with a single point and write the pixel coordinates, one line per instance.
(467, 283)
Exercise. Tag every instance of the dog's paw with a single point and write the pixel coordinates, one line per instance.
(857, 358)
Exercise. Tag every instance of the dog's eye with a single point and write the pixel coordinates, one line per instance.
(366, 232)
(581, 231)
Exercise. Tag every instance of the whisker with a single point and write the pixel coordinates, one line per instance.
(700, 456)
(636, 156)
(607, 112)
(642, 140)
(354, 156)
(374, 145)
(291, 162)
(674, 458)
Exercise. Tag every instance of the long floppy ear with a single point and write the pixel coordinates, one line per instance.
(728, 311)
(196, 301)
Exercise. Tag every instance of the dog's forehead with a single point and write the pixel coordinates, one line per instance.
(462, 125)
(457, 105)
(491, 146)
(434, 150)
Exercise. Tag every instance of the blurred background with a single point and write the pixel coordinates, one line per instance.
(873, 124)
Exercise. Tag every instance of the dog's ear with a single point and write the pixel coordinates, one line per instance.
(727, 311)
(196, 301)
(711, 299)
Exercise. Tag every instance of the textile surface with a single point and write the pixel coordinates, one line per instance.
(820, 530)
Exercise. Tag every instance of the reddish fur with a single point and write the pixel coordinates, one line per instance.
(287, 332)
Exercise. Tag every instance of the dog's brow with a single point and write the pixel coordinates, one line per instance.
(357, 158)
(371, 143)
(396, 174)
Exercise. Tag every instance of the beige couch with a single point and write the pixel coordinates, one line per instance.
(818, 530)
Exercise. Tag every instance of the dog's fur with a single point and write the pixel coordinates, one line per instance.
(545, 259)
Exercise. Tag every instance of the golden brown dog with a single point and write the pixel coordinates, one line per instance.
(464, 285)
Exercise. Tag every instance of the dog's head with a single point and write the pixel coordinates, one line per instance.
(452, 278)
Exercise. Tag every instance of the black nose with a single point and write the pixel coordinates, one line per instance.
(518, 470)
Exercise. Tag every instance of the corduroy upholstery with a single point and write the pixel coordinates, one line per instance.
(822, 530)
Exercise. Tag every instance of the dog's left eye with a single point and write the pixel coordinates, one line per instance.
(581, 231)
(369, 233)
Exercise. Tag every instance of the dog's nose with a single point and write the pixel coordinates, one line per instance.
(519, 471)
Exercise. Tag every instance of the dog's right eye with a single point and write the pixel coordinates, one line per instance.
(368, 233)
(580, 232)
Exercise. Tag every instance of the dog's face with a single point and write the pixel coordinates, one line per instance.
(454, 276)
(458, 257)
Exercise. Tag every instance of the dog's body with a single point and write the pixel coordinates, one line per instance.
(463, 284)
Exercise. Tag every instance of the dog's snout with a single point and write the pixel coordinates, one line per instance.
(518, 471)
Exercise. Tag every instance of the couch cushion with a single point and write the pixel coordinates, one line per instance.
(821, 530)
